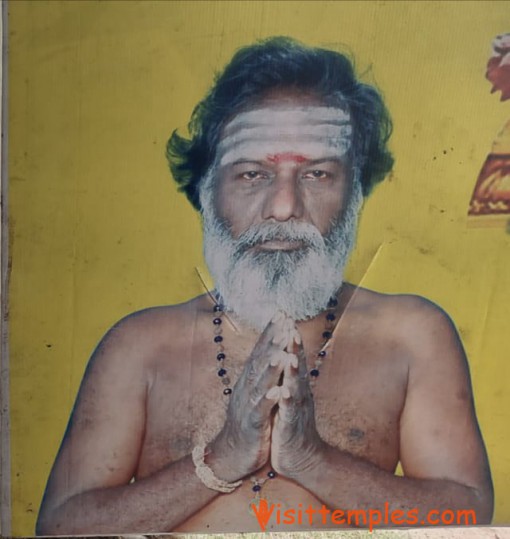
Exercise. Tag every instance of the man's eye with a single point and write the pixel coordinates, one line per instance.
(316, 174)
(253, 175)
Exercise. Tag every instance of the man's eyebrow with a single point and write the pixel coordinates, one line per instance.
(334, 158)
(242, 161)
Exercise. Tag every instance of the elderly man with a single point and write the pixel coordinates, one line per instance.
(284, 384)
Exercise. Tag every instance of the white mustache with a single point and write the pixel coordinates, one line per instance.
(290, 231)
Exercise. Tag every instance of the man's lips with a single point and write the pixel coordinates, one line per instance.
(279, 245)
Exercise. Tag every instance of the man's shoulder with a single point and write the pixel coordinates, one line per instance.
(410, 318)
(147, 331)
(398, 305)
(152, 319)
(412, 328)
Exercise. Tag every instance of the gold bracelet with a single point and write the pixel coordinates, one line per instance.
(206, 475)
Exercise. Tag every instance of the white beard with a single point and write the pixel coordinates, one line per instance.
(255, 284)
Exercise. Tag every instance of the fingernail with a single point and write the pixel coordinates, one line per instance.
(284, 392)
(293, 361)
(273, 393)
(279, 340)
(289, 329)
(275, 361)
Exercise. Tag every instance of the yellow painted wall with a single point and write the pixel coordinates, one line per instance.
(98, 230)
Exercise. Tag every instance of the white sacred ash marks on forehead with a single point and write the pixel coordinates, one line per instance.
(315, 132)
(309, 114)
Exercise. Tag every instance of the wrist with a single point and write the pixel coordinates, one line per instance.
(312, 467)
(222, 462)
(206, 474)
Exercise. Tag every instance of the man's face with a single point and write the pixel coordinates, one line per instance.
(286, 160)
(280, 208)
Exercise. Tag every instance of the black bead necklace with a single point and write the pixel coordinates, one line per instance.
(220, 348)
(320, 355)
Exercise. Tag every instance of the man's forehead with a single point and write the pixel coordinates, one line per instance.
(282, 117)
(311, 131)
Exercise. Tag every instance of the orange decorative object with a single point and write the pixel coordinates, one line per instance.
(490, 202)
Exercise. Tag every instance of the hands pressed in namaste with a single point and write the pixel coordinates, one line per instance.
(271, 412)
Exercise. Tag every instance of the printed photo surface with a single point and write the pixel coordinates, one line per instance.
(258, 266)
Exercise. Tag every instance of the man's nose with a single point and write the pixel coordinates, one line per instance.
(284, 199)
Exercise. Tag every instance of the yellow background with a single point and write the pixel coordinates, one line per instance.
(98, 230)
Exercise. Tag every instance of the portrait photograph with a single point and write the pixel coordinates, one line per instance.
(256, 266)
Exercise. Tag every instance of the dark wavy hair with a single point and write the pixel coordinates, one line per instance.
(282, 62)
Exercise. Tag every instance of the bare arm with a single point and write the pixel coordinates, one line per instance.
(154, 504)
(90, 490)
(441, 449)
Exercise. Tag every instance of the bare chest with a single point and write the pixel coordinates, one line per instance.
(358, 397)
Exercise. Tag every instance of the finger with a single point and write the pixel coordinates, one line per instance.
(278, 392)
(302, 367)
(265, 347)
(288, 410)
(267, 363)
(269, 368)
(265, 403)
(273, 332)
(298, 350)
(288, 332)
(276, 332)
(268, 402)
(282, 338)
(266, 393)
(270, 376)
(265, 374)
(295, 379)
(273, 394)
(288, 395)
(293, 336)
(282, 359)
(296, 408)
(295, 339)
(291, 376)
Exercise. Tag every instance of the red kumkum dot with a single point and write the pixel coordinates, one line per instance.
(286, 156)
